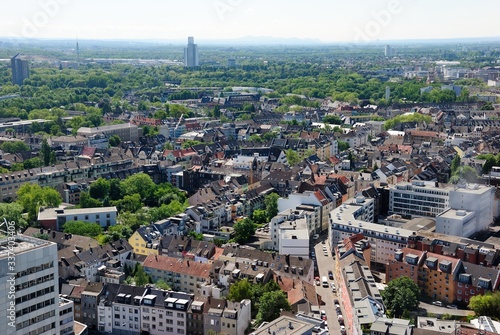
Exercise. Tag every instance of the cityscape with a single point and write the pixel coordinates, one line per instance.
(253, 174)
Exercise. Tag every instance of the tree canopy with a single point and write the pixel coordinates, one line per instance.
(401, 294)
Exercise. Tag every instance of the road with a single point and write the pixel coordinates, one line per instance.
(325, 263)
(443, 310)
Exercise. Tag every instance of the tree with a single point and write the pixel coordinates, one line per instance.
(82, 228)
(162, 285)
(243, 230)
(14, 147)
(343, 146)
(13, 213)
(271, 204)
(129, 203)
(292, 157)
(140, 276)
(401, 294)
(196, 236)
(455, 163)
(464, 172)
(32, 196)
(86, 201)
(259, 216)
(139, 183)
(240, 290)
(45, 152)
(114, 140)
(271, 304)
(487, 305)
(99, 189)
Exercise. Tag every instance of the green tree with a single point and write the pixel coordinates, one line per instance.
(271, 205)
(14, 147)
(86, 201)
(114, 140)
(139, 183)
(162, 285)
(189, 143)
(32, 196)
(243, 230)
(240, 290)
(196, 236)
(464, 172)
(259, 216)
(45, 152)
(487, 305)
(292, 157)
(401, 294)
(271, 304)
(129, 203)
(343, 146)
(141, 278)
(455, 163)
(13, 213)
(82, 228)
(32, 163)
(99, 189)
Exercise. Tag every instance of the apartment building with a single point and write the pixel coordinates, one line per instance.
(182, 274)
(126, 131)
(55, 218)
(351, 218)
(434, 273)
(315, 198)
(30, 291)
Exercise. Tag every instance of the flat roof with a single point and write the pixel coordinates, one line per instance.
(21, 243)
(454, 214)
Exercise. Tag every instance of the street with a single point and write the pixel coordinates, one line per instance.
(325, 264)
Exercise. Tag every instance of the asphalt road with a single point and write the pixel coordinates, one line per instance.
(443, 310)
(324, 264)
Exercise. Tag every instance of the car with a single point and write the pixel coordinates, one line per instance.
(315, 236)
(336, 301)
(330, 275)
(334, 289)
(452, 306)
(323, 242)
(316, 281)
(437, 303)
(342, 329)
(323, 313)
(337, 307)
(324, 248)
(325, 253)
(313, 254)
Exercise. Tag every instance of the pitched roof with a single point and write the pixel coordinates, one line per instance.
(177, 265)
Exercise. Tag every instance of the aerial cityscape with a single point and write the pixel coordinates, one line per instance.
(228, 167)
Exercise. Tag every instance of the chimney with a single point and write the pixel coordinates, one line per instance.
(293, 283)
(188, 263)
(287, 258)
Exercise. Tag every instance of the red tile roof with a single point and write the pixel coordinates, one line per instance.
(177, 265)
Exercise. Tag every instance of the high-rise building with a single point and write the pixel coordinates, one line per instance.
(29, 295)
(191, 58)
(20, 70)
(388, 51)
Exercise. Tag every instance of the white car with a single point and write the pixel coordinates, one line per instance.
(342, 329)
(315, 236)
(324, 248)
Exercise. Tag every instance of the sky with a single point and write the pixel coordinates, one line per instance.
(323, 20)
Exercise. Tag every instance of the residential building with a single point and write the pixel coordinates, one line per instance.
(12, 181)
(146, 240)
(291, 231)
(236, 317)
(29, 296)
(183, 275)
(286, 324)
(20, 70)
(354, 217)
(127, 310)
(191, 57)
(316, 198)
(385, 326)
(434, 273)
(472, 279)
(90, 300)
(66, 317)
(55, 218)
(126, 131)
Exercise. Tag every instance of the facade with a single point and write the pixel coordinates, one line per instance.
(20, 70)
(317, 198)
(434, 273)
(66, 316)
(126, 131)
(291, 231)
(90, 298)
(191, 58)
(104, 216)
(29, 292)
(418, 199)
(352, 218)
(182, 275)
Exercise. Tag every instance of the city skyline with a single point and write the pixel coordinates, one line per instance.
(320, 21)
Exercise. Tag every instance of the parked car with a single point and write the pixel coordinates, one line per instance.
(330, 275)
(334, 289)
(342, 329)
(437, 303)
(452, 306)
(316, 281)
(323, 314)
(315, 236)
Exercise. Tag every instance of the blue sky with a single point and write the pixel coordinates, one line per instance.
(325, 20)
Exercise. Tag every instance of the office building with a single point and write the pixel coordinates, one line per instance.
(191, 58)
(20, 70)
(29, 293)
(388, 51)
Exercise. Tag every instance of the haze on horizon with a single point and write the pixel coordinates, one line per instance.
(326, 21)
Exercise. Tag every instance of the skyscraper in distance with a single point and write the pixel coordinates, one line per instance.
(20, 70)
(191, 58)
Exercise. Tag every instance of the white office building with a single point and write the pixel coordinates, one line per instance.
(29, 291)
(351, 218)
(418, 199)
